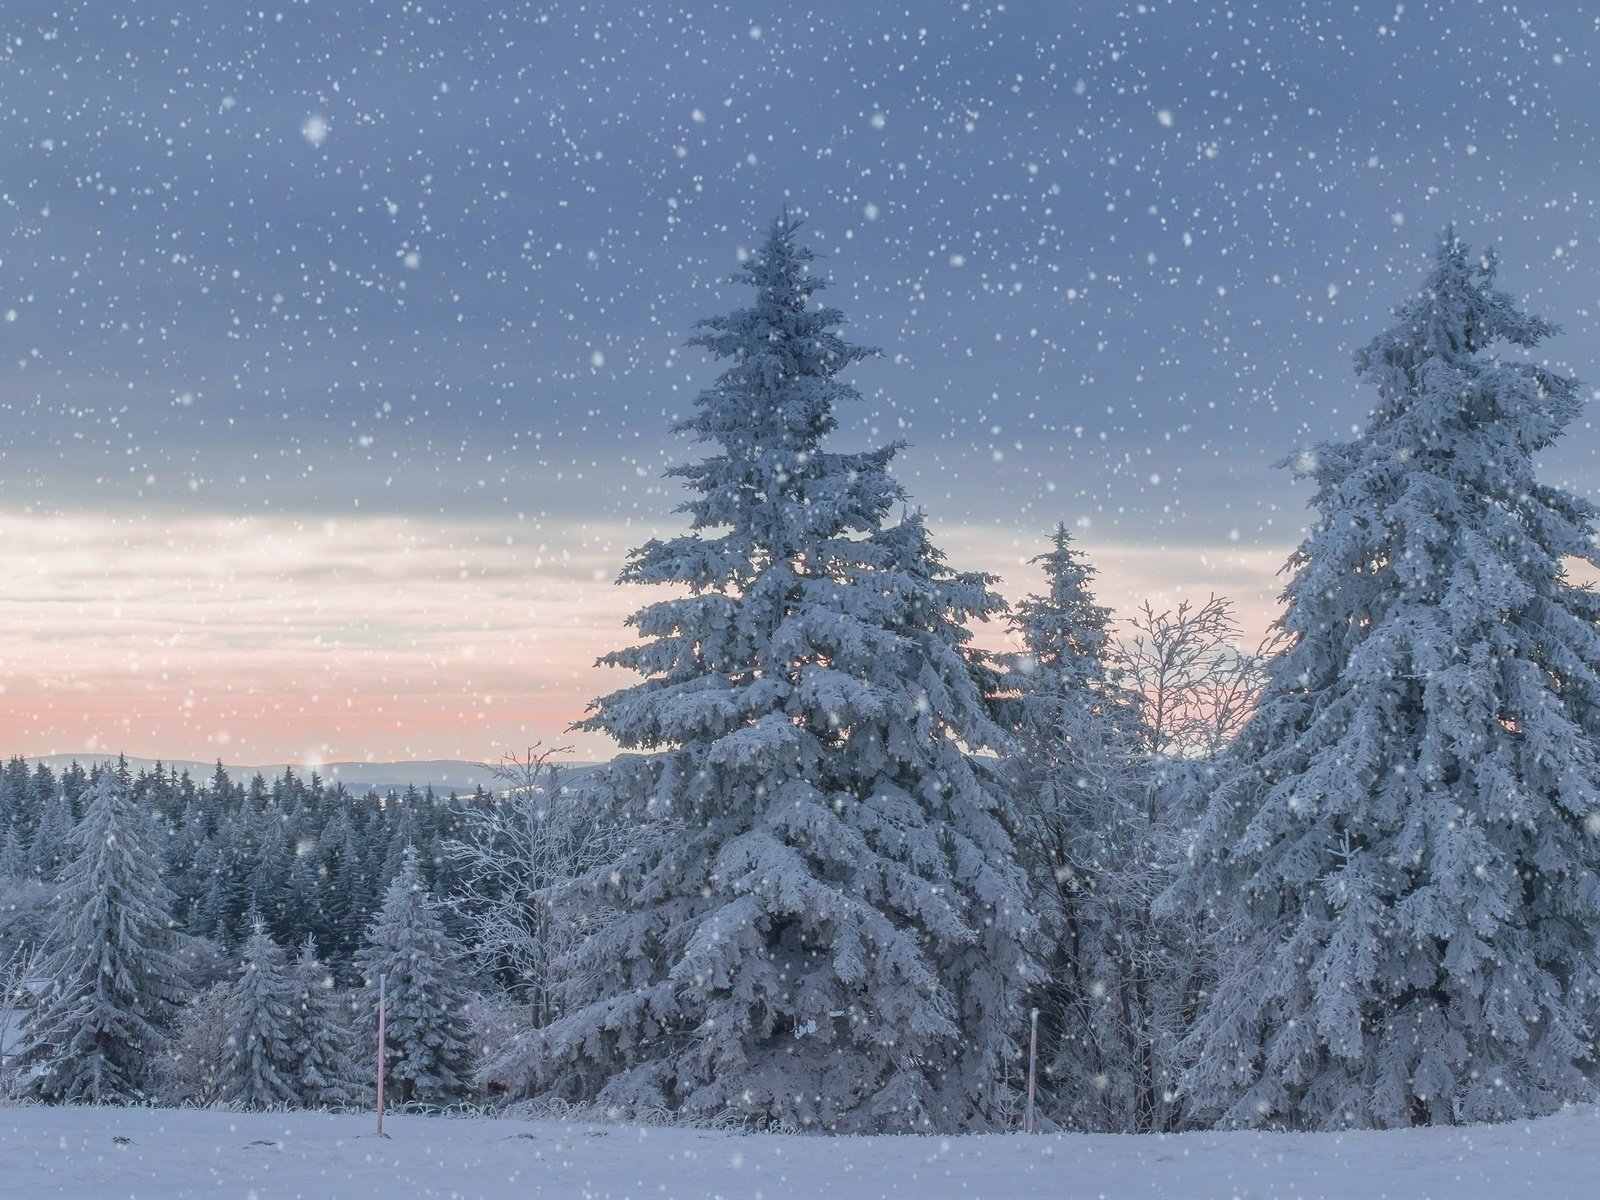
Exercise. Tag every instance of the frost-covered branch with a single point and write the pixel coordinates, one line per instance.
(1197, 686)
(532, 835)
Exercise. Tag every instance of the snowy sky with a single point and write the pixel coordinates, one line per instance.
(346, 337)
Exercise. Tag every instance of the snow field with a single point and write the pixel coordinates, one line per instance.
(174, 1154)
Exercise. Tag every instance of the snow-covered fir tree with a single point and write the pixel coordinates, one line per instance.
(323, 1074)
(347, 895)
(261, 1066)
(1402, 866)
(429, 1056)
(1066, 640)
(832, 929)
(15, 811)
(52, 837)
(110, 956)
(13, 855)
(1095, 850)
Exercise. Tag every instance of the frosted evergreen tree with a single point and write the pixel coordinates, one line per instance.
(1403, 863)
(347, 900)
(16, 818)
(14, 807)
(261, 1067)
(110, 956)
(830, 929)
(216, 894)
(1096, 851)
(13, 855)
(267, 868)
(302, 897)
(51, 838)
(427, 989)
(1065, 635)
(322, 1073)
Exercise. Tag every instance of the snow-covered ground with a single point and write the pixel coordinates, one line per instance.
(172, 1155)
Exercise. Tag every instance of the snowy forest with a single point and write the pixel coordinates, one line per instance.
(868, 819)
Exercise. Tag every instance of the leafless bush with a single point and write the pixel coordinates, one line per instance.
(533, 835)
(1195, 683)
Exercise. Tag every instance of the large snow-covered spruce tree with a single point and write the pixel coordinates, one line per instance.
(1402, 862)
(111, 958)
(831, 930)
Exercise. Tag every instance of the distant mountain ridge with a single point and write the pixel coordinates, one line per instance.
(443, 775)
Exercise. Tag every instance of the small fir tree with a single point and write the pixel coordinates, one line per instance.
(262, 1065)
(110, 956)
(347, 900)
(13, 856)
(1402, 865)
(1094, 852)
(317, 1022)
(15, 810)
(428, 1056)
(51, 838)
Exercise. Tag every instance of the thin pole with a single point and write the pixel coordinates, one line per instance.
(1030, 1123)
(383, 1017)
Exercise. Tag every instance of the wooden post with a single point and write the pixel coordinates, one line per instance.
(383, 1017)
(1030, 1122)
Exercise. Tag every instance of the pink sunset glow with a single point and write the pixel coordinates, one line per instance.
(264, 639)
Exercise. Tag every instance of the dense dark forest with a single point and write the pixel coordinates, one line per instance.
(306, 859)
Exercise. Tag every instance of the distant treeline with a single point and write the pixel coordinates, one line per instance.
(308, 858)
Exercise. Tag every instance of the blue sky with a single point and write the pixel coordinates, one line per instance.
(430, 267)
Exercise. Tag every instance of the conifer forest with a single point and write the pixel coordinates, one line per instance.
(927, 593)
(1345, 879)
